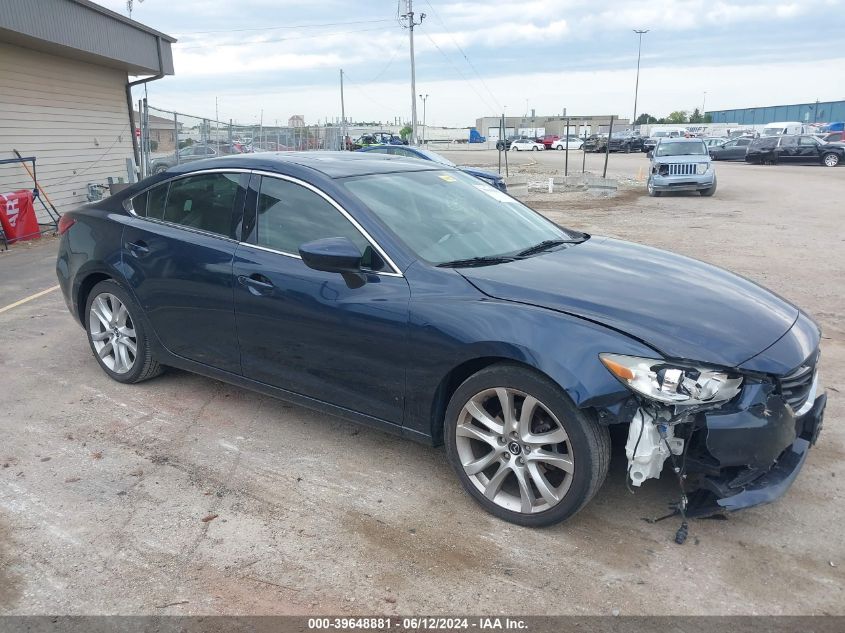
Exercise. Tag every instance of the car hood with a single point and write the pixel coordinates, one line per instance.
(698, 158)
(681, 307)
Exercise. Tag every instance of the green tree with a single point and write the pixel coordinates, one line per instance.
(696, 117)
(708, 118)
(678, 116)
(405, 132)
(645, 119)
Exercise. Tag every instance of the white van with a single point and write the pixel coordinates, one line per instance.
(784, 127)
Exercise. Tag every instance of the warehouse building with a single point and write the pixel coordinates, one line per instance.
(816, 112)
(65, 92)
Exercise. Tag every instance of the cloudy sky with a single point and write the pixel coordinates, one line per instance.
(483, 57)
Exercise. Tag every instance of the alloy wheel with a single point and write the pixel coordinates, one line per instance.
(831, 160)
(514, 450)
(113, 333)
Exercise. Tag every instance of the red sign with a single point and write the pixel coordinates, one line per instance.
(17, 216)
(138, 132)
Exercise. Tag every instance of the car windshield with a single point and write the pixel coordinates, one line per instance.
(681, 148)
(448, 216)
(772, 131)
(437, 158)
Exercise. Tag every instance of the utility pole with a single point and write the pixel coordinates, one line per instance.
(424, 98)
(640, 34)
(409, 15)
(703, 103)
(342, 115)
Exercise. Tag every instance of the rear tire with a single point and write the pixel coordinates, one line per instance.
(116, 334)
(831, 159)
(568, 451)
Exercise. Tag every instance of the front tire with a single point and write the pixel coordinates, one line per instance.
(117, 336)
(521, 448)
(709, 191)
(654, 193)
(831, 159)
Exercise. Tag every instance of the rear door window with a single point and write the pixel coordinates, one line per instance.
(150, 204)
(204, 202)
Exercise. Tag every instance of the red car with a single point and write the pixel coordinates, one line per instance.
(548, 139)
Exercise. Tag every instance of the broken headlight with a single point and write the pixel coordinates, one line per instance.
(658, 380)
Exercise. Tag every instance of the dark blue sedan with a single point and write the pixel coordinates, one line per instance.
(410, 297)
(490, 177)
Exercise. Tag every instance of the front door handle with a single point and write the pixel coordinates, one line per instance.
(256, 283)
(138, 249)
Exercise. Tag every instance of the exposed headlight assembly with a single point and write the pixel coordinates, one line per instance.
(661, 381)
(701, 168)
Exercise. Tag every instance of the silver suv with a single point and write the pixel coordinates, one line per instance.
(681, 164)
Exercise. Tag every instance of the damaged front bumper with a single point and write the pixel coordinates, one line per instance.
(744, 442)
(735, 455)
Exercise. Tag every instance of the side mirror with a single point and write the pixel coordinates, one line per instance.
(332, 255)
(649, 153)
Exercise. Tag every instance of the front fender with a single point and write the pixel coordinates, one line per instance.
(457, 324)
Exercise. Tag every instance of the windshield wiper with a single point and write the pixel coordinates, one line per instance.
(542, 246)
(476, 261)
(546, 245)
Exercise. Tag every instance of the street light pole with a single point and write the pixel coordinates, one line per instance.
(640, 34)
(424, 99)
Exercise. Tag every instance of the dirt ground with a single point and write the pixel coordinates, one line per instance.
(183, 495)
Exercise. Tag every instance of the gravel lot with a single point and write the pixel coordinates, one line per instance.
(187, 496)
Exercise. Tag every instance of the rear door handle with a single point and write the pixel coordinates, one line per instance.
(138, 249)
(256, 283)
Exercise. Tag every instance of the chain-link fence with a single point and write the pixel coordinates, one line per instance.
(167, 138)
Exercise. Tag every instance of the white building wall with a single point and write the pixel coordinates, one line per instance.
(70, 115)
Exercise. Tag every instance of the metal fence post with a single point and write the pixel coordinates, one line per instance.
(584, 151)
(566, 149)
(176, 137)
(607, 147)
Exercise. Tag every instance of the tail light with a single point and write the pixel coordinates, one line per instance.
(65, 222)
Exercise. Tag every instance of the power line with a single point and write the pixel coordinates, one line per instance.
(462, 76)
(294, 26)
(455, 42)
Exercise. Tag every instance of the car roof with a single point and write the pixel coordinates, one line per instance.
(682, 139)
(331, 164)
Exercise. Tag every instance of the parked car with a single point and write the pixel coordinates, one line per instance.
(681, 164)
(833, 137)
(490, 177)
(734, 149)
(548, 140)
(377, 138)
(595, 143)
(573, 142)
(406, 296)
(625, 142)
(803, 148)
(505, 144)
(197, 151)
(711, 141)
(523, 144)
(650, 142)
